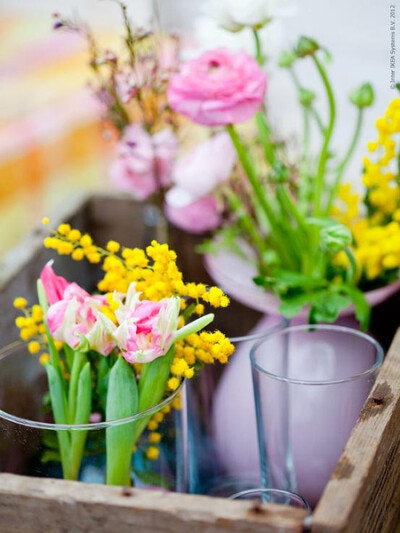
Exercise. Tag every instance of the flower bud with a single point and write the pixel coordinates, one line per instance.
(287, 58)
(306, 47)
(335, 238)
(363, 96)
(306, 97)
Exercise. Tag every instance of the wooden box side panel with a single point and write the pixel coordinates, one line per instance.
(58, 506)
(363, 494)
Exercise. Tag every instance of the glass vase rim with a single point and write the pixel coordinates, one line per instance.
(7, 350)
(271, 490)
(281, 325)
(327, 327)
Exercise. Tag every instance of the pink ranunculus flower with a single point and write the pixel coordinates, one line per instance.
(198, 173)
(144, 162)
(219, 87)
(198, 217)
(145, 329)
(72, 315)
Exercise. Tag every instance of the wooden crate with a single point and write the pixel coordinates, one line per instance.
(362, 496)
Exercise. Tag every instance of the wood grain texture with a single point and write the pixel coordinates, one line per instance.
(363, 494)
(55, 506)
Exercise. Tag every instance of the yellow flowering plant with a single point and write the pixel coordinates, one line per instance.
(122, 350)
(374, 218)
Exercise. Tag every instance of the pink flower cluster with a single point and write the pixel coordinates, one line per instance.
(144, 162)
(145, 329)
(218, 88)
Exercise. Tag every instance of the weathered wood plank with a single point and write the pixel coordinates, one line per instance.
(363, 494)
(37, 505)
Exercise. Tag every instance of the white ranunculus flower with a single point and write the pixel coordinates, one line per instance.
(209, 35)
(234, 15)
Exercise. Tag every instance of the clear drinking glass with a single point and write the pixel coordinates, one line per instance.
(220, 423)
(310, 383)
(29, 438)
(281, 497)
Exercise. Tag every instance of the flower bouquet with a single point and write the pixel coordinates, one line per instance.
(118, 355)
(131, 87)
(281, 213)
(284, 216)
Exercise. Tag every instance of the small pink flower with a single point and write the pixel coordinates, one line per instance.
(198, 217)
(95, 418)
(144, 161)
(127, 85)
(220, 87)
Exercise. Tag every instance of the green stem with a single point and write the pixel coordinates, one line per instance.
(320, 181)
(352, 272)
(259, 56)
(82, 416)
(313, 111)
(293, 211)
(277, 239)
(246, 221)
(264, 132)
(304, 184)
(318, 119)
(343, 164)
(79, 361)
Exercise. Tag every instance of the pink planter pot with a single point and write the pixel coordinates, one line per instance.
(234, 275)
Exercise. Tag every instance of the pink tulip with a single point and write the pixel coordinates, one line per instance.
(145, 329)
(72, 315)
(144, 162)
(198, 217)
(220, 87)
(54, 285)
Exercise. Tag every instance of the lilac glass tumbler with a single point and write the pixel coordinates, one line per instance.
(310, 383)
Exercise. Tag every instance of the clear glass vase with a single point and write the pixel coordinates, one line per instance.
(29, 438)
(221, 452)
(310, 383)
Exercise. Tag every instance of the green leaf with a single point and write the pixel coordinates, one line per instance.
(60, 413)
(103, 375)
(287, 279)
(79, 360)
(49, 456)
(291, 306)
(361, 306)
(152, 384)
(82, 415)
(327, 306)
(69, 356)
(122, 402)
(153, 479)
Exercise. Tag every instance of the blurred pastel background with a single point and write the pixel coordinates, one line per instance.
(51, 142)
